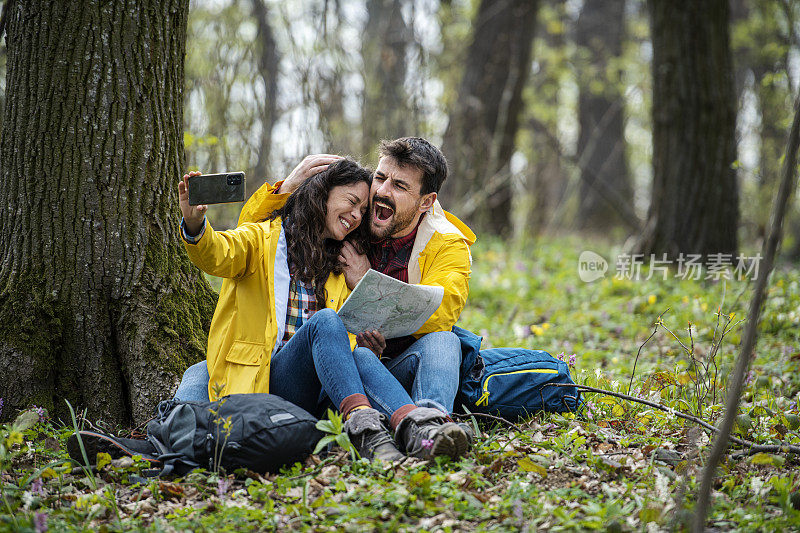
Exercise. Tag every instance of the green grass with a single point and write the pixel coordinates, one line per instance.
(622, 467)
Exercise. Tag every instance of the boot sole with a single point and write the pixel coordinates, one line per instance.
(95, 443)
(451, 440)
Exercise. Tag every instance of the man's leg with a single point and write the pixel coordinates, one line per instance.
(429, 370)
(194, 384)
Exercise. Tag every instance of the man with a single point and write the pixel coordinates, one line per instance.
(413, 240)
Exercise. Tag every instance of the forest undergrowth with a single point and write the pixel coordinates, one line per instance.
(618, 466)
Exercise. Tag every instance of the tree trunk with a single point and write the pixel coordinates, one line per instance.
(480, 135)
(601, 142)
(386, 113)
(694, 207)
(99, 303)
(268, 62)
(546, 180)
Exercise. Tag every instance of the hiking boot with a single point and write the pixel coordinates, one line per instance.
(370, 437)
(425, 433)
(116, 447)
(470, 432)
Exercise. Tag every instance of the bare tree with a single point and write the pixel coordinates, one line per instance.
(481, 133)
(268, 63)
(386, 113)
(601, 142)
(98, 301)
(694, 204)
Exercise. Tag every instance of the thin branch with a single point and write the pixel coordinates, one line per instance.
(736, 384)
(633, 372)
(490, 417)
(783, 447)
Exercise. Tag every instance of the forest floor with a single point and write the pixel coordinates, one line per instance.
(621, 467)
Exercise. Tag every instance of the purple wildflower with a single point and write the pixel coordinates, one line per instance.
(37, 487)
(749, 378)
(223, 484)
(1, 406)
(40, 522)
(427, 443)
(39, 411)
(571, 360)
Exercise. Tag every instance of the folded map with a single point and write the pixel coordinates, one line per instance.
(392, 307)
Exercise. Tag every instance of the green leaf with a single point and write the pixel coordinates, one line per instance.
(322, 443)
(326, 426)
(343, 440)
(26, 420)
(767, 459)
(527, 465)
(103, 459)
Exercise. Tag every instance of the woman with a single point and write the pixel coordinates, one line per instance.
(275, 328)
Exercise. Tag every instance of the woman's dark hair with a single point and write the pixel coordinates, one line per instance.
(312, 257)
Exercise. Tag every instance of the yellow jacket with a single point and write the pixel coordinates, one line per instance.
(440, 255)
(251, 312)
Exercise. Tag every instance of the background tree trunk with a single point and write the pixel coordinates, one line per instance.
(268, 63)
(694, 206)
(99, 303)
(546, 178)
(601, 142)
(480, 135)
(386, 113)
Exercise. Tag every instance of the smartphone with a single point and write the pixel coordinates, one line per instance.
(216, 188)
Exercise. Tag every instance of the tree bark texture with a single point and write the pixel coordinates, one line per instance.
(268, 63)
(386, 113)
(601, 141)
(480, 136)
(694, 206)
(99, 303)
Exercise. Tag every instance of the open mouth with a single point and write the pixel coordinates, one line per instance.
(383, 211)
(347, 225)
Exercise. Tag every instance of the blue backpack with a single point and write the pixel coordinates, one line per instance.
(512, 382)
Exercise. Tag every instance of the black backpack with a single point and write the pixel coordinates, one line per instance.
(260, 432)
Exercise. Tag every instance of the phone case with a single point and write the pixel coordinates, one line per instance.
(216, 188)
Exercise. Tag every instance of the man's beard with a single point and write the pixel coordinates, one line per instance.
(401, 221)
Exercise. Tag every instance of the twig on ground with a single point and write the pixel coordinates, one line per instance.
(752, 446)
(490, 417)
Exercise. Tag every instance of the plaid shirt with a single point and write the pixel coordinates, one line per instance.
(302, 304)
(391, 256)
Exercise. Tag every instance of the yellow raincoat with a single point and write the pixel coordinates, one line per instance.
(251, 312)
(440, 255)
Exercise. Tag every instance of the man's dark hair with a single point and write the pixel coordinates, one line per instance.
(418, 152)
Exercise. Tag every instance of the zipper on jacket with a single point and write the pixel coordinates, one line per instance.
(484, 399)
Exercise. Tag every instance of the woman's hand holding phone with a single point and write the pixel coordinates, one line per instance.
(193, 215)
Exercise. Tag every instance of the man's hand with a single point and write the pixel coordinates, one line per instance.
(373, 340)
(355, 264)
(193, 215)
(312, 164)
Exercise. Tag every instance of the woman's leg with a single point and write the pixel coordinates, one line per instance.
(194, 384)
(317, 358)
(384, 391)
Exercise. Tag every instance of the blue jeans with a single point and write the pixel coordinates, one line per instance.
(317, 364)
(430, 369)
